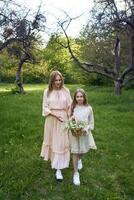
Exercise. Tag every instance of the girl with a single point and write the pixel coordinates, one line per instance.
(56, 109)
(81, 111)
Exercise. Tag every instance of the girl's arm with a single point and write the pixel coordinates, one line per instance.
(91, 120)
(90, 125)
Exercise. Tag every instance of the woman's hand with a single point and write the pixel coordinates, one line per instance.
(72, 118)
(60, 118)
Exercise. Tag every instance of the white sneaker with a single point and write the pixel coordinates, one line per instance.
(59, 175)
(76, 178)
(80, 166)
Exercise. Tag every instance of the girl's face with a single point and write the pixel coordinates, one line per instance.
(57, 82)
(79, 98)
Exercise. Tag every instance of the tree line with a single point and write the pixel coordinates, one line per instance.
(102, 54)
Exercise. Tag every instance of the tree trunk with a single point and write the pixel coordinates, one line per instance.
(132, 51)
(117, 56)
(18, 77)
(117, 88)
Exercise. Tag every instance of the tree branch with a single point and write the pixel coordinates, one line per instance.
(94, 68)
(127, 81)
(8, 42)
(117, 56)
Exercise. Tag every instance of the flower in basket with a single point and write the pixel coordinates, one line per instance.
(76, 127)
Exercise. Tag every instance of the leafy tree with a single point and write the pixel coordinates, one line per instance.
(109, 20)
(19, 30)
(57, 57)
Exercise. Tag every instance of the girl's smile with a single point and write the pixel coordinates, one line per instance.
(79, 98)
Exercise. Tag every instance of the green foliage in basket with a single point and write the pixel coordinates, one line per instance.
(75, 125)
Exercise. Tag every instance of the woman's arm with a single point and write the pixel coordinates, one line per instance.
(46, 111)
(69, 102)
(45, 106)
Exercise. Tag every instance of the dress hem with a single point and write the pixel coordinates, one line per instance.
(79, 152)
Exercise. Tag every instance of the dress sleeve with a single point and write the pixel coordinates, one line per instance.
(90, 125)
(91, 120)
(45, 106)
(69, 102)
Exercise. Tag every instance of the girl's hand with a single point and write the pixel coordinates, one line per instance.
(84, 131)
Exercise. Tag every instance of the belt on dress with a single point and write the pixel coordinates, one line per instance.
(58, 109)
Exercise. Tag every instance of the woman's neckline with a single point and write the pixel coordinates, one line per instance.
(57, 89)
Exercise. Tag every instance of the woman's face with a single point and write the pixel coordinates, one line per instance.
(57, 82)
(79, 98)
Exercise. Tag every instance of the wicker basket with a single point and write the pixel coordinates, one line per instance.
(77, 132)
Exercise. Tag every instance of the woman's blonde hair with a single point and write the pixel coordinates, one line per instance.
(52, 79)
(74, 103)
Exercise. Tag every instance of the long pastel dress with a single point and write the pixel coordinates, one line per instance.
(83, 143)
(55, 145)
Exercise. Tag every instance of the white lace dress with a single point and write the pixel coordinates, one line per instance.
(83, 143)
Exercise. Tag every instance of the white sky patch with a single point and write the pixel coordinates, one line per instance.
(53, 11)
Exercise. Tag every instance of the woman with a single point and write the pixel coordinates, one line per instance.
(56, 109)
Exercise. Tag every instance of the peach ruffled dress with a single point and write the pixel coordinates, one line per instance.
(55, 145)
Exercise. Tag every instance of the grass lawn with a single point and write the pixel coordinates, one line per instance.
(108, 173)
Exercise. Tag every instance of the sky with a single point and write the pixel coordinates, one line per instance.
(53, 10)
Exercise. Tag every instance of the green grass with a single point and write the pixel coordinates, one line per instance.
(108, 173)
